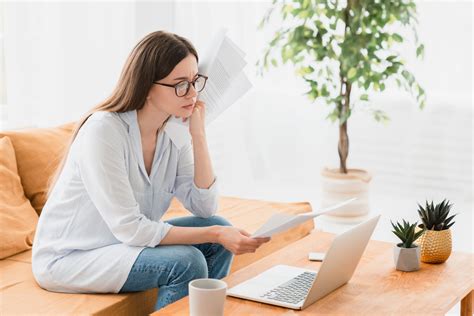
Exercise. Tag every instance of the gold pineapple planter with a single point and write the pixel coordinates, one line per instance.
(435, 246)
(435, 242)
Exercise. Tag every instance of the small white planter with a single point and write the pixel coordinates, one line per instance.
(406, 259)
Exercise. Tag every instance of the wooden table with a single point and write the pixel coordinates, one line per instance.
(375, 289)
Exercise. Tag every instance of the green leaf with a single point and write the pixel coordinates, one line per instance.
(351, 74)
(307, 36)
(367, 84)
(449, 219)
(406, 233)
(334, 115)
(418, 235)
(397, 38)
(364, 97)
(344, 116)
(420, 51)
(380, 116)
(400, 235)
(391, 58)
(305, 70)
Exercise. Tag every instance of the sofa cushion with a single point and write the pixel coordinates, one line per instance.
(38, 153)
(18, 286)
(17, 217)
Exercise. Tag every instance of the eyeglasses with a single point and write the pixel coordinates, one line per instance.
(182, 88)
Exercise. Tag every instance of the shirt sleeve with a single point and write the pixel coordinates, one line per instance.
(102, 165)
(200, 202)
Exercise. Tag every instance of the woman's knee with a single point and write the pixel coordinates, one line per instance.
(195, 221)
(190, 264)
(218, 220)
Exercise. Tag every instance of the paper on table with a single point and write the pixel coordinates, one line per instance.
(223, 64)
(281, 222)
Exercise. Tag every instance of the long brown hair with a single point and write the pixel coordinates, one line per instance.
(152, 59)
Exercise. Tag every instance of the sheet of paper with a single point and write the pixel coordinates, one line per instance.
(278, 223)
(227, 82)
(240, 86)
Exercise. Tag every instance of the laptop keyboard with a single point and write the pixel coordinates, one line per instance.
(293, 291)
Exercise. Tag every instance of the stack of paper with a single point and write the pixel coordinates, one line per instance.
(223, 64)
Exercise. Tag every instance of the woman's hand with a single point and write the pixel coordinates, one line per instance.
(237, 240)
(197, 119)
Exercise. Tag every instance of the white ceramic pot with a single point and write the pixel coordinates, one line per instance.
(337, 187)
(406, 259)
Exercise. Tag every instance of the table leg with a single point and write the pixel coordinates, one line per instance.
(466, 304)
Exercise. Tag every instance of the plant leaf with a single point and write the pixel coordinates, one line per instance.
(352, 73)
(418, 234)
(447, 227)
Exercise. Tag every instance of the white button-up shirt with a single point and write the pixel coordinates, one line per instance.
(104, 208)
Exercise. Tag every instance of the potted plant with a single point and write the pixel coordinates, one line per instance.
(406, 254)
(436, 241)
(343, 50)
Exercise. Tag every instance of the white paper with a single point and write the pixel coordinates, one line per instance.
(281, 222)
(227, 82)
(240, 85)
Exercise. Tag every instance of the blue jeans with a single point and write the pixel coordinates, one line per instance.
(172, 267)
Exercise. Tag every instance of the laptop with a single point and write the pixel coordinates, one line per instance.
(297, 288)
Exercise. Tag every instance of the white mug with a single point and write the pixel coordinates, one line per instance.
(207, 297)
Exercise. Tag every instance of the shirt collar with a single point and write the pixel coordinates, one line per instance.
(130, 117)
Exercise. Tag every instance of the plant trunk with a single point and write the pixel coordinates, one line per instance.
(344, 106)
(343, 145)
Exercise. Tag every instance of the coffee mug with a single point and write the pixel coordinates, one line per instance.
(207, 297)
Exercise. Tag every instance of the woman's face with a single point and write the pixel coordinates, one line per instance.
(165, 99)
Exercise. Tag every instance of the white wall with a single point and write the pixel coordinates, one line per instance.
(63, 58)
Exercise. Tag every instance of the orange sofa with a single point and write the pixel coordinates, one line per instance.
(27, 160)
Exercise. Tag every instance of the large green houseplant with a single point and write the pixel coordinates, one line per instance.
(343, 50)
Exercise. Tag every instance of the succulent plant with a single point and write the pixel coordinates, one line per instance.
(436, 217)
(406, 233)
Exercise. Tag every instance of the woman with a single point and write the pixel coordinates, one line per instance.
(100, 230)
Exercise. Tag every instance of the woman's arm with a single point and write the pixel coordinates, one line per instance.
(195, 185)
(203, 174)
(235, 240)
(199, 201)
